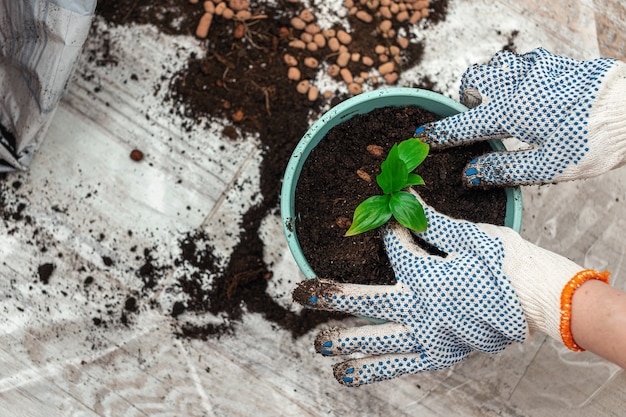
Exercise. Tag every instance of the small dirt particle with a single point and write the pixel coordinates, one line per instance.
(178, 308)
(45, 271)
(107, 261)
(230, 132)
(130, 304)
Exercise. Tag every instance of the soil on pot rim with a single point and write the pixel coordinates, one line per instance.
(334, 180)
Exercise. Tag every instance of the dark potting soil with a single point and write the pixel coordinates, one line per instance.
(330, 188)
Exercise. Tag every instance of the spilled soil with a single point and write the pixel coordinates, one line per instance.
(263, 100)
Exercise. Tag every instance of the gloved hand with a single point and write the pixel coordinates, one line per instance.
(569, 112)
(492, 289)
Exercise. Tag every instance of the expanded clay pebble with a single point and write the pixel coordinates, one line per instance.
(219, 9)
(333, 44)
(334, 70)
(290, 60)
(375, 150)
(355, 89)
(298, 23)
(313, 28)
(307, 16)
(209, 6)
(364, 175)
(293, 73)
(243, 15)
(346, 75)
(319, 40)
(386, 68)
(385, 25)
(364, 16)
(343, 59)
(311, 62)
(313, 93)
(402, 42)
(238, 5)
(344, 37)
(313, 38)
(391, 78)
(298, 44)
(202, 31)
(228, 13)
(415, 17)
(372, 4)
(385, 12)
(303, 86)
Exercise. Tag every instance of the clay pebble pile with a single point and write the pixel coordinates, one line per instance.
(380, 65)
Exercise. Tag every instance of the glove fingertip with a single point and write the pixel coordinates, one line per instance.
(311, 292)
(346, 374)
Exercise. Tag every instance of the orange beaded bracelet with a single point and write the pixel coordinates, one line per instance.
(566, 303)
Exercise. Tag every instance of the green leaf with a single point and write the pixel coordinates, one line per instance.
(393, 172)
(370, 214)
(408, 211)
(413, 152)
(414, 179)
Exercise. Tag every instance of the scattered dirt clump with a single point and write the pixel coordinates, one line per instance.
(243, 78)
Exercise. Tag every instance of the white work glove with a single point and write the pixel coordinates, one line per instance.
(492, 289)
(569, 112)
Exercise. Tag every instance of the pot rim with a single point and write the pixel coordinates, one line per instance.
(360, 104)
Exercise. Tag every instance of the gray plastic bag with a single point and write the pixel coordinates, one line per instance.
(40, 41)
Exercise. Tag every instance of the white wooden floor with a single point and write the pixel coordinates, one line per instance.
(83, 195)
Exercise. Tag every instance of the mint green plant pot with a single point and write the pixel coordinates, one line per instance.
(361, 104)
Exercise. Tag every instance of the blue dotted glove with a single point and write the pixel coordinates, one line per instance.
(492, 289)
(569, 113)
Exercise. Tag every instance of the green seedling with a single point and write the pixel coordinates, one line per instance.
(395, 176)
